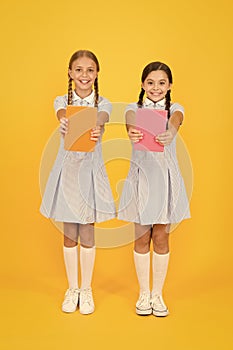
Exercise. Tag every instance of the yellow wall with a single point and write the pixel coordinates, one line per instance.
(195, 39)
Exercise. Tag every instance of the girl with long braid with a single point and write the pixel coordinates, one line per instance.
(154, 195)
(78, 191)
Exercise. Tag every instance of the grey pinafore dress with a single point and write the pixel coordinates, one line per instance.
(154, 191)
(78, 188)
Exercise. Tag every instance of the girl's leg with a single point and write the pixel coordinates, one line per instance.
(87, 254)
(142, 256)
(71, 265)
(87, 260)
(142, 266)
(160, 237)
(71, 253)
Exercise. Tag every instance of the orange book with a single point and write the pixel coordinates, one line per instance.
(81, 121)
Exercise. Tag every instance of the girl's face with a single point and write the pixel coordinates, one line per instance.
(156, 85)
(83, 72)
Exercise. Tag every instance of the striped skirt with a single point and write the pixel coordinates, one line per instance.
(78, 188)
(154, 191)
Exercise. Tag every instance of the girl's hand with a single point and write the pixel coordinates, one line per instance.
(63, 126)
(134, 135)
(165, 138)
(95, 133)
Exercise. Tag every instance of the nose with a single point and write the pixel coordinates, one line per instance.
(84, 73)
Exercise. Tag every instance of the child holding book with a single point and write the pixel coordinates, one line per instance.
(154, 195)
(78, 191)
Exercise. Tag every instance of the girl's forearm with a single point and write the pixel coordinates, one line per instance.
(175, 121)
(103, 118)
(61, 114)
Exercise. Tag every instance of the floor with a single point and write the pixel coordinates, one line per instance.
(200, 311)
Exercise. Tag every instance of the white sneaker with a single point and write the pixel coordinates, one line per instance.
(70, 302)
(143, 306)
(159, 308)
(86, 302)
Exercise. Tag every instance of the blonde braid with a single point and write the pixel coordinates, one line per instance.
(96, 86)
(70, 93)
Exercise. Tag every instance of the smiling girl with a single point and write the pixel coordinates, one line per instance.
(78, 191)
(154, 195)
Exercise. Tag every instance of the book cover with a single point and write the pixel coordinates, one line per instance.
(81, 120)
(151, 122)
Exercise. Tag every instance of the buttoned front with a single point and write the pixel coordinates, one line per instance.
(156, 105)
(104, 105)
(86, 101)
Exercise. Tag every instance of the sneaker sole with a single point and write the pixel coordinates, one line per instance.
(72, 310)
(144, 312)
(69, 311)
(160, 313)
(86, 313)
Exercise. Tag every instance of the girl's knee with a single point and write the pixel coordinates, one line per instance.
(69, 243)
(161, 247)
(142, 244)
(160, 239)
(70, 234)
(87, 235)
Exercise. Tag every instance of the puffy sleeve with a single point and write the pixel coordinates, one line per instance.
(131, 107)
(104, 106)
(130, 117)
(176, 107)
(60, 102)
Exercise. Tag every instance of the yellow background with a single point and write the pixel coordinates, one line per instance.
(37, 39)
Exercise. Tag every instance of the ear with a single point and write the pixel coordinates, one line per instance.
(70, 74)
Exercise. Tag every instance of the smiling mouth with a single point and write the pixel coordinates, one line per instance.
(84, 81)
(156, 93)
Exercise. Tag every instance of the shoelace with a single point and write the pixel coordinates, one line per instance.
(157, 300)
(87, 296)
(71, 295)
(144, 299)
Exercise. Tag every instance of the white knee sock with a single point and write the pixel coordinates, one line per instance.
(160, 265)
(142, 266)
(71, 265)
(87, 260)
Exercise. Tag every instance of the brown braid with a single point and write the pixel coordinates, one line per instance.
(70, 93)
(168, 103)
(96, 87)
(140, 100)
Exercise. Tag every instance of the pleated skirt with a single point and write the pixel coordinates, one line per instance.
(154, 191)
(78, 188)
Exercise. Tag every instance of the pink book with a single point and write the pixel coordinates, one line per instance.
(151, 122)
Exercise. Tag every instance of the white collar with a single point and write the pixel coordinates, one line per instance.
(89, 99)
(148, 103)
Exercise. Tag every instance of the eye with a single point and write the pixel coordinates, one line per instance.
(162, 82)
(149, 83)
(78, 69)
(90, 70)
